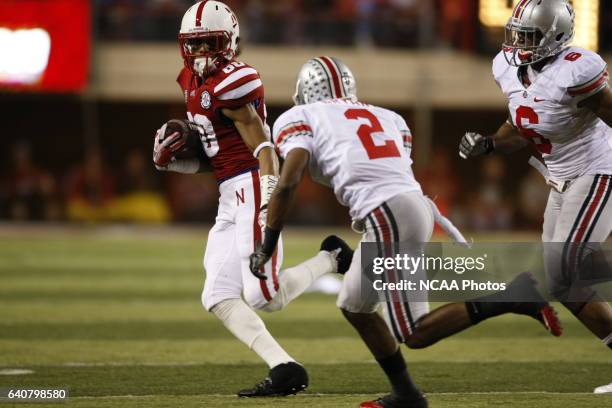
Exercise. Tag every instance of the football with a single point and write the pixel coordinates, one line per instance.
(190, 133)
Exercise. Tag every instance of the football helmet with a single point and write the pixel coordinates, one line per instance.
(538, 29)
(209, 33)
(324, 78)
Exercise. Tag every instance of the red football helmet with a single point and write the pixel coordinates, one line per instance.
(209, 34)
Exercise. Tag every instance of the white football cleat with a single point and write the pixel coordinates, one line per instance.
(604, 389)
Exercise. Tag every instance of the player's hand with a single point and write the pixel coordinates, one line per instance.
(474, 144)
(164, 150)
(256, 261)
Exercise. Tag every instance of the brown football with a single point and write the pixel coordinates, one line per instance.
(190, 134)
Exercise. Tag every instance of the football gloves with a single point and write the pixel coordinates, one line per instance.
(474, 144)
(263, 253)
(256, 262)
(164, 149)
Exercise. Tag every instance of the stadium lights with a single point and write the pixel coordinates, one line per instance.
(495, 13)
(25, 55)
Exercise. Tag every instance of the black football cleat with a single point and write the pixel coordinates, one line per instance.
(342, 251)
(524, 286)
(394, 401)
(284, 379)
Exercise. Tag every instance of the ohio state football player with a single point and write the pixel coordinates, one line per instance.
(226, 98)
(560, 102)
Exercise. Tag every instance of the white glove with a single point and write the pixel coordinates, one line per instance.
(164, 150)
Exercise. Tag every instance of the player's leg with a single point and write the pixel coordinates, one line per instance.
(585, 216)
(222, 296)
(359, 303)
(286, 376)
(334, 256)
(360, 309)
(413, 324)
(453, 318)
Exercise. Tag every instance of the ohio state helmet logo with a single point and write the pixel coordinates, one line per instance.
(205, 100)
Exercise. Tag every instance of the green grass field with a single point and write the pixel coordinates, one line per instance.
(115, 316)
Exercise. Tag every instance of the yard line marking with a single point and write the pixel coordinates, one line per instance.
(15, 371)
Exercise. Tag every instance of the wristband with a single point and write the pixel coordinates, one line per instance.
(270, 240)
(262, 146)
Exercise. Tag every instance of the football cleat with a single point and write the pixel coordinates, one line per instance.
(604, 389)
(394, 401)
(284, 379)
(341, 250)
(524, 285)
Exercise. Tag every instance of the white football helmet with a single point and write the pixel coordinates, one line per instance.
(538, 29)
(324, 78)
(209, 33)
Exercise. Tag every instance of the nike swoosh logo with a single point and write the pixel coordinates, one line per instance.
(538, 100)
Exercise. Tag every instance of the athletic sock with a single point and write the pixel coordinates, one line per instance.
(484, 308)
(248, 327)
(294, 281)
(395, 368)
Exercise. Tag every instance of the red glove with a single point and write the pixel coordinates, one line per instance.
(164, 150)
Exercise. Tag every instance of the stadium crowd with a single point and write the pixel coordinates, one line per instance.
(94, 191)
(396, 23)
(381, 23)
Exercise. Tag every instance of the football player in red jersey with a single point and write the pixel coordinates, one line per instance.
(225, 97)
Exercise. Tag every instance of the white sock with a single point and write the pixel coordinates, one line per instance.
(292, 282)
(248, 327)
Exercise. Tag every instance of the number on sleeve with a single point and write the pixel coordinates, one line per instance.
(526, 113)
(573, 56)
(365, 133)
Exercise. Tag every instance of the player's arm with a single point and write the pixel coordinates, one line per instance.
(601, 105)
(293, 171)
(251, 128)
(507, 139)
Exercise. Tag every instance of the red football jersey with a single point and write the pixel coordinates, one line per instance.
(231, 86)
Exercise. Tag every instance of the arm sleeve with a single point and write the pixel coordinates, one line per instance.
(292, 130)
(239, 88)
(589, 75)
(404, 132)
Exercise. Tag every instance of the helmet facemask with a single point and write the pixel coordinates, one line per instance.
(298, 96)
(203, 51)
(525, 45)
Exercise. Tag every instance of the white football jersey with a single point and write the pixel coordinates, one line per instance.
(361, 151)
(573, 141)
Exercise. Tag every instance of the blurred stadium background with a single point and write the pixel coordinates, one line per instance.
(84, 85)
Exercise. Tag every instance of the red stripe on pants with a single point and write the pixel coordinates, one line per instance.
(397, 305)
(257, 230)
(586, 221)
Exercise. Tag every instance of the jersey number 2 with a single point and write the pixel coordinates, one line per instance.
(525, 112)
(389, 149)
